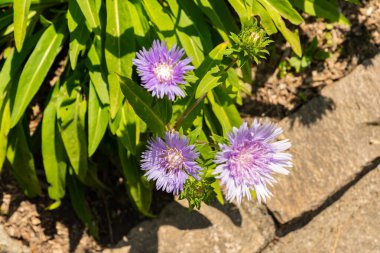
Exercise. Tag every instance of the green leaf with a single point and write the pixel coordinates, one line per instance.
(265, 19)
(220, 16)
(140, 23)
(164, 108)
(79, 34)
(5, 125)
(199, 23)
(285, 9)
(53, 152)
(80, 205)
(137, 186)
(15, 61)
(129, 128)
(218, 192)
(71, 115)
(213, 78)
(141, 102)
(290, 36)
(187, 34)
(37, 67)
(119, 49)
(6, 3)
(97, 72)
(222, 99)
(159, 17)
(20, 17)
(22, 162)
(214, 58)
(225, 112)
(208, 70)
(241, 8)
(323, 9)
(89, 10)
(97, 120)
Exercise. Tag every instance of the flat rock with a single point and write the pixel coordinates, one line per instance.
(333, 137)
(8, 245)
(351, 224)
(212, 229)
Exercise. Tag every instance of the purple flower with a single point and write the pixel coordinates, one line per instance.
(250, 161)
(170, 161)
(162, 70)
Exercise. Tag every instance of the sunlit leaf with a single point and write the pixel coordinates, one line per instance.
(97, 120)
(23, 169)
(20, 17)
(141, 102)
(37, 67)
(53, 152)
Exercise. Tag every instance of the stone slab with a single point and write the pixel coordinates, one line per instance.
(333, 137)
(219, 229)
(350, 225)
(8, 245)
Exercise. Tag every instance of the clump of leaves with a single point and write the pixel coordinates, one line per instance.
(250, 43)
(299, 64)
(197, 192)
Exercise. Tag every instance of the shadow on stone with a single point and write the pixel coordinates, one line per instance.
(317, 108)
(297, 223)
(144, 238)
(230, 210)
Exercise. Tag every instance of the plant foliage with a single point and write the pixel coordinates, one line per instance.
(74, 60)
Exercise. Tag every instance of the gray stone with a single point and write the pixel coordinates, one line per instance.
(212, 229)
(350, 225)
(333, 137)
(8, 245)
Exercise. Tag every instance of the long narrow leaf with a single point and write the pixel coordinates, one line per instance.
(129, 128)
(37, 67)
(199, 23)
(89, 11)
(159, 17)
(79, 33)
(220, 16)
(97, 121)
(22, 162)
(97, 72)
(322, 8)
(5, 125)
(119, 48)
(187, 34)
(20, 17)
(53, 152)
(285, 9)
(141, 102)
(290, 36)
(265, 19)
(208, 72)
(15, 61)
(71, 116)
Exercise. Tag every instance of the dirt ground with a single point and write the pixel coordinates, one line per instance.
(276, 92)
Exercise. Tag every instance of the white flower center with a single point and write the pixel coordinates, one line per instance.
(174, 158)
(163, 72)
(245, 158)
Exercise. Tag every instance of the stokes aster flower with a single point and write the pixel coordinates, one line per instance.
(169, 162)
(250, 160)
(162, 70)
